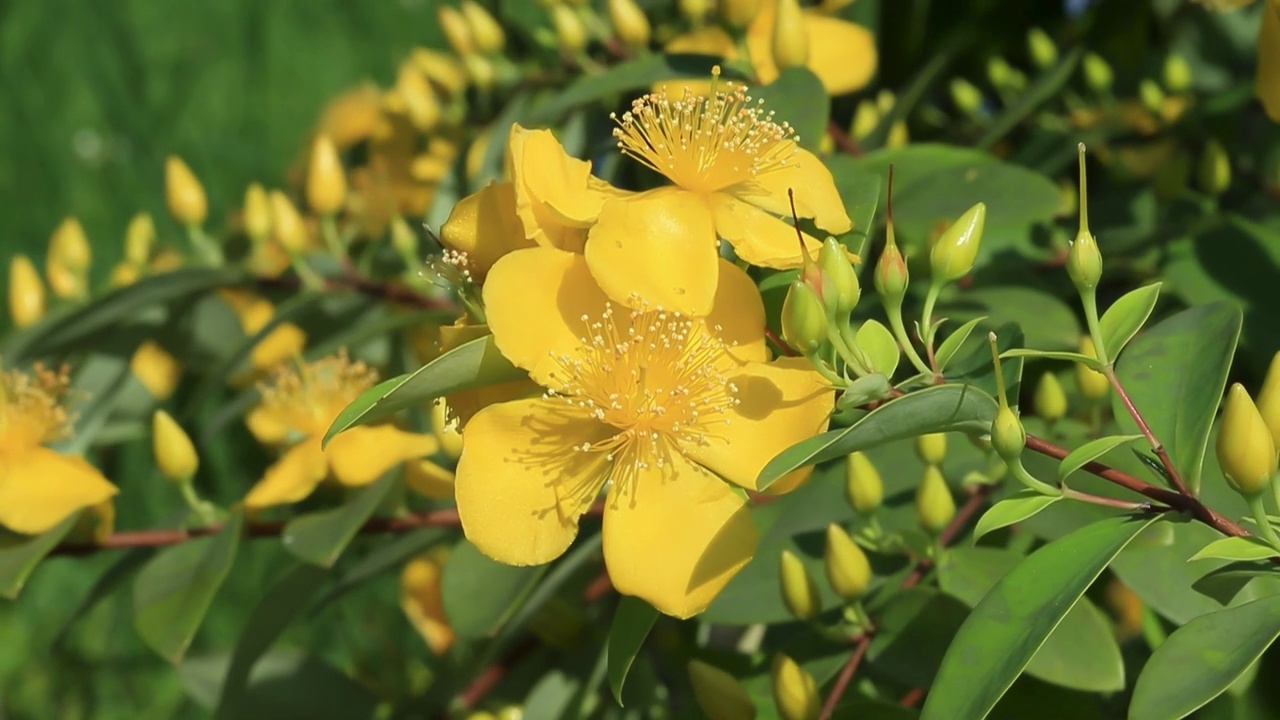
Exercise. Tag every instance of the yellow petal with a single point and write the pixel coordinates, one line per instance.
(484, 226)
(40, 488)
(842, 54)
(423, 602)
(291, 478)
(758, 237)
(521, 486)
(1268, 82)
(428, 479)
(267, 426)
(553, 197)
(361, 455)
(282, 343)
(534, 300)
(780, 404)
(815, 192)
(678, 539)
(738, 314)
(656, 250)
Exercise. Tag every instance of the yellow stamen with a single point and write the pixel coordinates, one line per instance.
(307, 398)
(32, 408)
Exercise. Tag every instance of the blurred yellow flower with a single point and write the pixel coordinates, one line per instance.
(298, 405)
(660, 407)
(156, 369)
(39, 487)
(422, 601)
(26, 292)
(284, 342)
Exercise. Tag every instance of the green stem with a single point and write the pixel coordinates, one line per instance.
(894, 311)
(825, 371)
(329, 229)
(848, 349)
(203, 509)
(1026, 478)
(926, 317)
(1264, 524)
(204, 246)
(1089, 298)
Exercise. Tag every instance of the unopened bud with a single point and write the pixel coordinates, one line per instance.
(1214, 173)
(446, 432)
(139, 237)
(257, 213)
(326, 180)
(1007, 434)
(1050, 398)
(840, 285)
(891, 274)
(485, 30)
(420, 103)
(511, 712)
(795, 692)
(865, 119)
(175, 455)
(932, 448)
(898, 135)
(1151, 95)
(571, 34)
(286, 223)
(719, 694)
(156, 369)
(70, 246)
(1246, 448)
(966, 96)
(999, 72)
(1084, 260)
(848, 569)
(934, 505)
(26, 292)
(1097, 73)
(1269, 399)
(885, 100)
(799, 591)
(480, 71)
(952, 255)
(183, 193)
(457, 32)
(863, 487)
(1093, 384)
(1043, 51)
(124, 274)
(1176, 74)
(790, 38)
(739, 13)
(804, 320)
(696, 11)
(629, 23)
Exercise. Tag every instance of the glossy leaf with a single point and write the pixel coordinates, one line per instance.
(951, 345)
(20, 554)
(1126, 317)
(1091, 451)
(878, 343)
(1025, 504)
(1226, 582)
(632, 76)
(175, 589)
(942, 408)
(1201, 659)
(631, 624)
(479, 593)
(1091, 362)
(319, 538)
(1013, 620)
(471, 365)
(913, 634)
(1237, 548)
(797, 96)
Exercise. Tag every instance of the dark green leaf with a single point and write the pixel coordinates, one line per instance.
(319, 538)
(174, 590)
(20, 554)
(1237, 548)
(1045, 320)
(1225, 583)
(1013, 620)
(860, 191)
(1041, 91)
(631, 624)
(631, 76)
(1012, 510)
(480, 593)
(951, 345)
(384, 558)
(913, 633)
(798, 97)
(285, 684)
(1091, 451)
(122, 569)
(1053, 355)
(1126, 317)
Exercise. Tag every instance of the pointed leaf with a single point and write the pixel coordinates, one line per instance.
(1226, 582)
(1089, 362)
(1201, 659)
(1126, 317)
(951, 345)
(631, 624)
(1236, 548)
(1091, 451)
(881, 348)
(1013, 620)
(319, 538)
(122, 569)
(176, 587)
(1012, 510)
(479, 594)
(20, 554)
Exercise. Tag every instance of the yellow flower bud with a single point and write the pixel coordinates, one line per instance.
(865, 119)
(794, 690)
(485, 31)
(1246, 449)
(739, 13)
(420, 102)
(445, 431)
(891, 274)
(719, 694)
(1097, 73)
(63, 282)
(696, 11)
(862, 485)
(952, 255)
(69, 246)
(175, 455)
(966, 96)
(286, 223)
(840, 286)
(456, 29)
(184, 193)
(511, 712)
(1269, 399)
(1050, 398)
(123, 274)
(156, 369)
(885, 100)
(480, 71)
(799, 591)
(1176, 74)
(1007, 434)
(790, 38)
(932, 448)
(934, 505)
(571, 34)
(422, 600)
(326, 180)
(1151, 95)
(629, 23)
(440, 68)
(428, 479)
(26, 292)
(1214, 173)
(848, 569)
(804, 320)
(898, 136)
(1093, 384)
(139, 238)
(1044, 53)
(257, 213)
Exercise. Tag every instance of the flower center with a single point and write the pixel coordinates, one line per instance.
(308, 396)
(32, 408)
(705, 143)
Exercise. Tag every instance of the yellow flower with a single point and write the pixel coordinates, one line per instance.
(662, 408)
(422, 601)
(298, 405)
(732, 167)
(282, 343)
(40, 488)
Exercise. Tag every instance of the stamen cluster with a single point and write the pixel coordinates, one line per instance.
(33, 406)
(309, 393)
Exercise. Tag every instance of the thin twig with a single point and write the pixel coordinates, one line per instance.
(783, 347)
(1145, 429)
(392, 293)
(977, 495)
(842, 140)
(861, 643)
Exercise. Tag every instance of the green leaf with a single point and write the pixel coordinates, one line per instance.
(1021, 506)
(1090, 362)
(1013, 620)
(479, 593)
(797, 97)
(1045, 320)
(1236, 548)
(942, 408)
(20, 554)
(1226, 582)
(1126, 317)
(913, 633)
(320, 537)
(631, 76)
(122, 569)
(1091, 451)
(951, 345)
(471, 365)
(1175, 373)
(860, 191)
(631, 624)
(1043, 89)
(284, 683)
(385, 557)
(863, 390)
(1081, 652)
(175, 588)
(1201, 659)
(878, 343)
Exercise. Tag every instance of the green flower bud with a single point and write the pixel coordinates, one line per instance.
(999, 73)
(804, 320)
(1246, 449)
(1151, 95)
(1044, 53)
(1007, 434)
(932, 448)
(885, 100)
(794, 691)
(1097, 73)
(848, 569)
(1050, 398)
(1269, 399)
(891, 274)
(1093, 384)
(1084, 260)
(966, 96)
(790, 38)
(511, 712)
(719, 694)
(799, 591)
(1214, 173)
(934, 505)
(953, 253)
(1177, 73)
(862, 485)
(840, 288)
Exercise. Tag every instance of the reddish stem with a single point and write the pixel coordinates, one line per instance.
(1145, 429)
(842, 140)
(861, 644)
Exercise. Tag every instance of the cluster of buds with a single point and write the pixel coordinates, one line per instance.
(870, 112)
